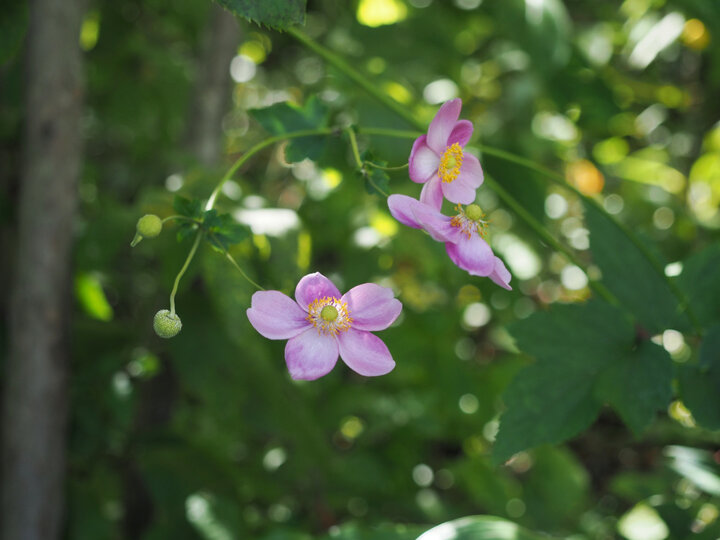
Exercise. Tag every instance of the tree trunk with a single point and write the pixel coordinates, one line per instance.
(36, 375)
(211, 95)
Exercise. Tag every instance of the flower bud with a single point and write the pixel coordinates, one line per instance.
(149, 226)
(166, 324)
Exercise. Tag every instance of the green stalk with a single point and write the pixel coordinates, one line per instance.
(357, 77)
(185, 265)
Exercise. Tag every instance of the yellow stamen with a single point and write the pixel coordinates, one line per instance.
(329, 315)
(450, 163)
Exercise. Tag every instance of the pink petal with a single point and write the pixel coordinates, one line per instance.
(314, 286)
(372, 307)
(443, 124)
(472, 255)
(500, 275)
(423, 161)
(365, 353)
(276, 316)
(401, 209)
(435, 223)
(311, 355)
(471, 171)
(463, 189)
(461, 133)
(431, 193)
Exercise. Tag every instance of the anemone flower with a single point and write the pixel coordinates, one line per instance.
(438, 161)
(321, 324)
(463, 235)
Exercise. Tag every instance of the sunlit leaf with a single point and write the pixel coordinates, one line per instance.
(480, 528)
(278, 14)
(92, 299)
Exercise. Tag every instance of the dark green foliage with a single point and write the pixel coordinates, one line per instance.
(699, 279)
(629, 273)
(278, 14)
(700, 382)
(586, 355)
(286, 117)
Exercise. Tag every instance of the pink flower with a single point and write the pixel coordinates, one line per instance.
(438, 161)
(463, 235)
(321, 324)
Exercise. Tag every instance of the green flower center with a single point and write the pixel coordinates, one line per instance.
(474, 212)
(329, 313)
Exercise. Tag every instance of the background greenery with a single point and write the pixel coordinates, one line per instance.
(205, 435)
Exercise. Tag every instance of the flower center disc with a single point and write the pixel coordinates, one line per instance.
(329, 313)
(450, 163)
(474, 212)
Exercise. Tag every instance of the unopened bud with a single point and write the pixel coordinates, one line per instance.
(166, 324)
(148, 226)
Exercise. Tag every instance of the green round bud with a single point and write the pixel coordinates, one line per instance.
(329, 313)
(474, 212)
(166, 325)
(149, 226)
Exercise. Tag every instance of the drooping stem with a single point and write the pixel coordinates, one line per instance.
(236, 265)
(545, 235)
(360, 163)
(357, 77)
(193, 249)
(257, 148)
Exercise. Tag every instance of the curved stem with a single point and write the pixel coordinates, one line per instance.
(357, 77)
(255, 149)
(234, 263)
(376, 166)
(545, 235)
(181, 218)
(360, 163)
(189, 258)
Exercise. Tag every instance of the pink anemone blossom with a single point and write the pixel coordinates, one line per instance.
(321, 324)
(438, 160)
(463, 235)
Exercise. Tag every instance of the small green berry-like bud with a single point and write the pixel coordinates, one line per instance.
(149, 226)
(166, 325)
(474, 212)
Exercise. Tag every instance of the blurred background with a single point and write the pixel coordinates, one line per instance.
(205, 435)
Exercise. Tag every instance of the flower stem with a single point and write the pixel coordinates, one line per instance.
(257, 148)
(181, 218)
(198, 238)
(360, 163)
(376, 166)
(234, 263)
(357, 77)
(545, 235)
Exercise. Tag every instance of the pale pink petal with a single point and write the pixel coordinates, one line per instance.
(311, 355)
(276, 316)
(372, 307)
(423, 162)
(314, 286)
(500, 275)
(472, 255)
(471, 171)
(459, 191)
(435, 223)
(443, 124)
(365, 353)
(401, 209)
(432, 194)
(461, 133)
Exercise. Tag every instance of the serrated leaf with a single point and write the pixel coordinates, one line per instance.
(699, 279)
(223, 231)
(277, 14)
(586, 356)
(185, 231)
(700, 383)
(188, 207)
(630, 275)
(638, 385)
(480, 528)
(286, 117)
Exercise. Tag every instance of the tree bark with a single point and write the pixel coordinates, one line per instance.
(36, 375)
(213, 85)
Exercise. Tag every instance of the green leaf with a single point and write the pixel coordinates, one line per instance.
(90, 295)
(630, 275)
(638, 385)
(278, 14)
(188, 207)
(586, 355)
(223, 231)
(700, 383)
(185, 231)
(480, 528)
(286, 117)
(377, 181)
(699, 281)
